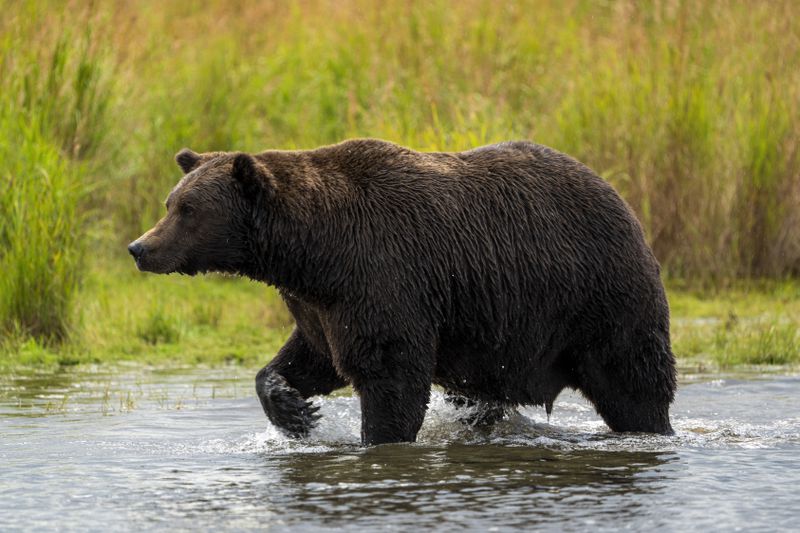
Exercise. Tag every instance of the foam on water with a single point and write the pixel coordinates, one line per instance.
(574, 425)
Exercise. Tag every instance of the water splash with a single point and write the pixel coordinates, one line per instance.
(573, 425)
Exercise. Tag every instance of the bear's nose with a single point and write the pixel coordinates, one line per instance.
(136, 249)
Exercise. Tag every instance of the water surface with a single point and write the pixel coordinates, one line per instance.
(148, 449)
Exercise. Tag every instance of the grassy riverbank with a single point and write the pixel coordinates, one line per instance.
(124, 315)
(754, 324)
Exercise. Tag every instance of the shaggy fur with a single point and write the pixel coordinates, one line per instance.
(503, 274)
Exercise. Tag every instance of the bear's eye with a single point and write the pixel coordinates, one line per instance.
(186, 209)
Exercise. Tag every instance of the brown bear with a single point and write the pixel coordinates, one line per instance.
(503, 274)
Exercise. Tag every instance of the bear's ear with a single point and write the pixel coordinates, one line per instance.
(252, 175)
(187, 160)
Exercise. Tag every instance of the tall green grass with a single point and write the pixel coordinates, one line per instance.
(41, 248)
(52, 124)
(689, 108)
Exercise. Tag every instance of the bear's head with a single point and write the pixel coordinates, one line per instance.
(209, 221)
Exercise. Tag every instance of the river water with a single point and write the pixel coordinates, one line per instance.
(146, 449)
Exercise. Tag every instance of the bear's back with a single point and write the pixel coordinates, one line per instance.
(511, 195)
(381, 166)
(500, 219)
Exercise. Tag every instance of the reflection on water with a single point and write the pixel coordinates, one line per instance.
(419, 486)
(186, 448)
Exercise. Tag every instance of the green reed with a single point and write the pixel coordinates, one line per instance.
(52, 123)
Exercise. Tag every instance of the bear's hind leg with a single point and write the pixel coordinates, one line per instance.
(285, 384)
(624, 413)
(631, 394)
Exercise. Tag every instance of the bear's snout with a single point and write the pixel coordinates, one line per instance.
(151, 255)
(136, 250)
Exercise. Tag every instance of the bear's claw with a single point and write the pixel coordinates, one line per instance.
(286, 408)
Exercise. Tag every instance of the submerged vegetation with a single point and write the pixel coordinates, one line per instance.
(689, 108)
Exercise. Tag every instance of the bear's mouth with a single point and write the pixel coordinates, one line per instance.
(190, 268)
(187, 270)
(148, 263)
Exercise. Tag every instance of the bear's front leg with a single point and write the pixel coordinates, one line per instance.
(393, 381)
(284, 405)
(285, 384)
(392, 411)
